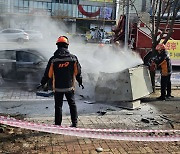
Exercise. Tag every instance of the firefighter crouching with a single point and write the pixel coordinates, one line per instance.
(63, 68)
(163, 62)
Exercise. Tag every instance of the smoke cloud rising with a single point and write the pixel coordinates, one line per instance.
(92, 57)
(95, 59)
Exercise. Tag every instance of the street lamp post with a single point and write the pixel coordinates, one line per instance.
(127, 25)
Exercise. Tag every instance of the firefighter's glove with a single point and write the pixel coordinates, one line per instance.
(152, 66)
(81, 85)
(39, 86)
(79, 79)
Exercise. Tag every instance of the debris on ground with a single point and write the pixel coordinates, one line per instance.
(129, 113)
(88, 102)
(99, 149)
(155, 122)
(1, 129)
(145, 120)
(102, 112)
(172, 126)
(150, 120)
(110, 109)
(45, 93)
(166, 118)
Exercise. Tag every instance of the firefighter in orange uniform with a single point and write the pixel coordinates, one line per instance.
(63, 68)
(163, 61)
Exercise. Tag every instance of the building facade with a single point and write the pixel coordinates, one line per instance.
(78, 15)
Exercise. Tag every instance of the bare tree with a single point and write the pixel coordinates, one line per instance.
(170, 12)
(162, 10)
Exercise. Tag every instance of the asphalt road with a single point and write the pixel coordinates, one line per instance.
(43, 108)
(46, 107)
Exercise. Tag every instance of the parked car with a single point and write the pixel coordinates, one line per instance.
(17, 35)
(106, 41)
(22, 66)
(34, 35)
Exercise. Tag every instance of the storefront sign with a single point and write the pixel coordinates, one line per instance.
(173, 47)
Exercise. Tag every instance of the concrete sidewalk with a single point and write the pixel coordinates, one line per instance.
(16, 140)
(11, 94)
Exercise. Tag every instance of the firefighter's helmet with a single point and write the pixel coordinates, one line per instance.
(117, 43)
(160, 47)
(62, 39)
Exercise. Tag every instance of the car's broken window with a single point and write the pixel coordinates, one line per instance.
(27, 57)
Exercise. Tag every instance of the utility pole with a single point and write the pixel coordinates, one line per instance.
(127, 25)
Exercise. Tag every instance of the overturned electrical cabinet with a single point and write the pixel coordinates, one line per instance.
(128, 85)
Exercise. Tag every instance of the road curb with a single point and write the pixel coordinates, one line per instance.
(18, 100)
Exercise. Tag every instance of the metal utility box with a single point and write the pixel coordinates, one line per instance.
(128, 85)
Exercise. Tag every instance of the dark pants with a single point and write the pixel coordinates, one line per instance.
(152, 75)
(166, 85)
(58, 96)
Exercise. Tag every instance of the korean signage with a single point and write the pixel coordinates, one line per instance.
(104, 1)
(173, 47)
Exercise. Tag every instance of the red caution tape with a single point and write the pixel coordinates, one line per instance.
(112, 134)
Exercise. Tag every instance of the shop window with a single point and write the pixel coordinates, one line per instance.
(55, 1)
(49, 6)
(40, 5)
(73, 2)
(26, 4)
(35, 5)
(30, 4)
(89, 8)
(16, 4)
(20, 3)
(66, 1)
(45, 5)
(70, 9)
(65, 7)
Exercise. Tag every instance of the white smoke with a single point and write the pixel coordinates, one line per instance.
(93, 58)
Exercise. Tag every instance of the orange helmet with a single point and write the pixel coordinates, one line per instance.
(160, 47)
(62, 39)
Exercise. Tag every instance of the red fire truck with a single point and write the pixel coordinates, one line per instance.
(141, 40)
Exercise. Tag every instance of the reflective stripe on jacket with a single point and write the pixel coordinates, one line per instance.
(164, 62)
(63, 68)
